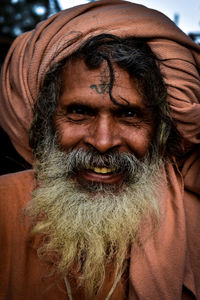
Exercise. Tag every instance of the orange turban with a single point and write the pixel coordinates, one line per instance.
(35, 51)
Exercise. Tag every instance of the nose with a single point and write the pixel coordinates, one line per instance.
(103, 135)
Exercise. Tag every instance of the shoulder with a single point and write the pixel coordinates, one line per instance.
(15, 190)
(15, 193)
(17, 181)
(16, 178)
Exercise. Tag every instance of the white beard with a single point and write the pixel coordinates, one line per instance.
(88, 230)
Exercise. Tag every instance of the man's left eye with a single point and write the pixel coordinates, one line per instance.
(129, 114)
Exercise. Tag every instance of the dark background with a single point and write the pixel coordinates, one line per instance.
(16, 17)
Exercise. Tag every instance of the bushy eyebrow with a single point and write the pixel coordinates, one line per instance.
(92, 106)
(88, 108)
(92, 109)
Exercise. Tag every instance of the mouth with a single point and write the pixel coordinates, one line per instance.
(101, 174)
(103, 170)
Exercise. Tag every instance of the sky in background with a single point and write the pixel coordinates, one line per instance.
(188, 11)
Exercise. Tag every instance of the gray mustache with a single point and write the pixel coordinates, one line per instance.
(78, 160)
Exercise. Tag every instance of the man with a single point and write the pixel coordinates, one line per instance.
(103, 99)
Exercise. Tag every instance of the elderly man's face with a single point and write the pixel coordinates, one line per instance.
(86, 117)
(95, 192)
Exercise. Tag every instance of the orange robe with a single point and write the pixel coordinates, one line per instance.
(166, 268)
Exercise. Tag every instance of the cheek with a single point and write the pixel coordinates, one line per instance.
(139, 141)
(68, 135)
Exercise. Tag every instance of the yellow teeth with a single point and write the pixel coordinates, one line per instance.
(101, 170)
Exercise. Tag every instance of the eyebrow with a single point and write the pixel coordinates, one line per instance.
(92, 108)
(89, 108)
(79, 102)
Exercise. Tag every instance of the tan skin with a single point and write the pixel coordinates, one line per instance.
(86, 117)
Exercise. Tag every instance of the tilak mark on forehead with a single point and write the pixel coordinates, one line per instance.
(103, 87)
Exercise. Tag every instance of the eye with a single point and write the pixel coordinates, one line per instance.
(131, 116)
(79, 112)
(129, 113)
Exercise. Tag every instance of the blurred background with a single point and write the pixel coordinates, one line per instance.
(18, 16)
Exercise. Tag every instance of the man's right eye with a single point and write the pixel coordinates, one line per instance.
(79, 112)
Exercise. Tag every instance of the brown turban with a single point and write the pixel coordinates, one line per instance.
(35, 51)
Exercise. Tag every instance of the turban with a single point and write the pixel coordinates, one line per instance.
(32, 53)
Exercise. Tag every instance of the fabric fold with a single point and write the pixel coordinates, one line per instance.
(157, 271)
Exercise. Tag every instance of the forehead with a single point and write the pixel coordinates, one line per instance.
(82, 83)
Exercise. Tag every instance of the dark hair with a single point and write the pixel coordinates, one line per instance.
(131, 54)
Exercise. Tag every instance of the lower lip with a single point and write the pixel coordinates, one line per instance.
(111, 178)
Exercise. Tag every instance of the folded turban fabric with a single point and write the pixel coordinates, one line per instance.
(33, 52)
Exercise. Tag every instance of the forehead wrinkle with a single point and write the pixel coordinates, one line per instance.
(78, 80)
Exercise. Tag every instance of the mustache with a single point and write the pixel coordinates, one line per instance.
(78, 160)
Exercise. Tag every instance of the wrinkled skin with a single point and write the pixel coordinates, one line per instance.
(86, 117)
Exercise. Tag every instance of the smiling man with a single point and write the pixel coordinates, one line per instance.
(107, 111)
(99, 152)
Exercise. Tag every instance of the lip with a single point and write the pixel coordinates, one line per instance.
(109, 178)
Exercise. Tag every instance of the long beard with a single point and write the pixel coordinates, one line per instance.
(90, 226)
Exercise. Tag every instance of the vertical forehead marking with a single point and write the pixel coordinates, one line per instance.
(103, 86)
